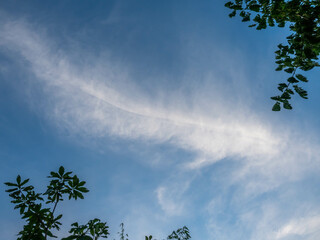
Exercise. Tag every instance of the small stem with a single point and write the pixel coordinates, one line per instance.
(55, 205)
(47, 227)
(293, 73)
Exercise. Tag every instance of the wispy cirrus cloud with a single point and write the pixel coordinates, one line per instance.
(308, 227)
(91, 102)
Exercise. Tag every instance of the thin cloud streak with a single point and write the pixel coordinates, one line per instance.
(88, 104)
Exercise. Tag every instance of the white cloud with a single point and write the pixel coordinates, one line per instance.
(170, 196)
(90, 102)
(168, 205)
(308, 227)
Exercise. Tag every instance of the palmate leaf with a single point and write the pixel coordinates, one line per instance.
(40, 220)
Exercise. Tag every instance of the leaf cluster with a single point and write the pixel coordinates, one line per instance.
(180, 234)
(303, 45)
(38, 209)
(90, 231)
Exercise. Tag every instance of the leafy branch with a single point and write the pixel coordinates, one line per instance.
(40, 218)
(303, 45)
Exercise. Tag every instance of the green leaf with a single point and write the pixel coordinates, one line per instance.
(54, 175)
(75, 224)
(92, 231)
(270, 21)
(11, 190)
(79, 194)
(148, 238)
(61, 171)
(10, 184)
(289, 70)
(85, 238)
(285, 95)
(302, 93)
(276, 107)
(58, 217)
(287, 105)
(228, 4)
(254, 7)
(276, 98)
(29, 188)
(246, 18)
(282, 86)
(81, 183)
(18, 179)
(25, 181)
(302, 78)
(292, 80)
(232, 14)
(70, 237)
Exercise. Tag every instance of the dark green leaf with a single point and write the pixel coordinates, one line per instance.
(285, 95)
(11, 190)
(232, 14)
(85, 238)
(61, 171)
(254, 7)
(289, 70)
(276, 107)
(276, 98)
(287, 105)
(18, 179)
(228, 4)
(292, 80)
(302, 78)
(72, 237)
(25, 181)
(10, 184)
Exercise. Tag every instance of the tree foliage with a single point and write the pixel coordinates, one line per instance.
(180, 234)
(39, 213)
(38, 210)
(303, 45)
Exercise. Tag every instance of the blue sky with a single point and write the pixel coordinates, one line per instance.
(164, 108)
